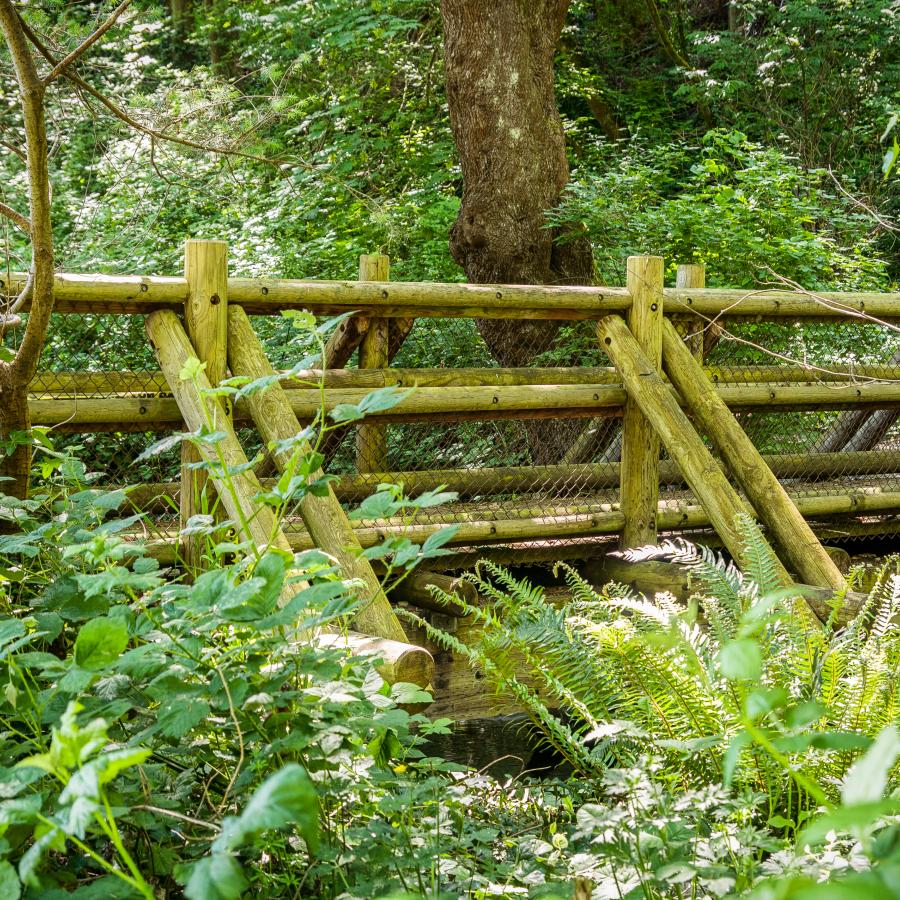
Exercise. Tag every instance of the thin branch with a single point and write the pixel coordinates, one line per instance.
(87, 43)
(880, 220)
(158, 810)
(31, 92)
(123, 116)
(14, 149)
(16, 217)
(119, 113)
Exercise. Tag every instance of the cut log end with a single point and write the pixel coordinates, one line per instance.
(399, 661)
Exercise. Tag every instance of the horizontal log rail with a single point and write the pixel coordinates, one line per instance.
(108, 383)
(462, 403)
(604, 519)
(780, 303)
(564, 479)
(139, 294)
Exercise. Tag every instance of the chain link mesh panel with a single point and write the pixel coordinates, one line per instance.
(559, 469)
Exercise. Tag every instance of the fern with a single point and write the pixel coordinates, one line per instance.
(636, 676)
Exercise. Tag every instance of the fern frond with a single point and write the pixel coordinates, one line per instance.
(556, 732)
(762, 565)
(708, 571)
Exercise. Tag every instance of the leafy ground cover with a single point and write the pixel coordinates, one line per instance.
(166, 738)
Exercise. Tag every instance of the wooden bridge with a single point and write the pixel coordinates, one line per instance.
(652, 372)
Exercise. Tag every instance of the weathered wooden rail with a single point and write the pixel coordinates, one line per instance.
(503, 505)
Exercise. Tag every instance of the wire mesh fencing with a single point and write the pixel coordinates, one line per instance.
(541, 469)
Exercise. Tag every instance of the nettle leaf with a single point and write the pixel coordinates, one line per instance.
(66, 598)
(259, 384)
(434, 542)
(316, 596)
(181, 713)
(405, 693)
(47, 838)
(215, 877)
(379, 505)
(10, 630)
(100, 643)
(109, 765)
(286, 798)
(270, 570)
(375, 402)
(437, 497)
(71, 744)
(301, 319)
(191, 369)
(161, 446)
(10, 888)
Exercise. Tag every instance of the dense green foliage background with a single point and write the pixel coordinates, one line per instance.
(160, 737)
(754, 148)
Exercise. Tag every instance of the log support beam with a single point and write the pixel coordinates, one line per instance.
(256, 522)
(702, 473)
(323, 516)
(770, 500)
(206, 323)
(639, 483)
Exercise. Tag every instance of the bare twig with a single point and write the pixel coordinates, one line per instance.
(87, 43)
(14, 149)
(158, 810)
(240, 736)
(278, 164)
(886, 224)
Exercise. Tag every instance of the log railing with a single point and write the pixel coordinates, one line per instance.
(268, 296)
(143, 401)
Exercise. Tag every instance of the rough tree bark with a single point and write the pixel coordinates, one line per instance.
(16, 374)
(498, 59)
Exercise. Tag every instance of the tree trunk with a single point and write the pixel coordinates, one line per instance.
(14, 417)
(499, 72)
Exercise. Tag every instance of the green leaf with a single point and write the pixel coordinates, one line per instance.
(100, 643)
(10, 888)
(890, 159)
(377, 401)
(433, 543)
(867, 781)
(65, 597)
(215, 877)
(179, 714)
(379, 505)
(162, 445)
(733, 755)
(847, 818)
(286, 798)
(741, 660)
(191, 369)
(405, 693)
(270, 570)
(109, 765)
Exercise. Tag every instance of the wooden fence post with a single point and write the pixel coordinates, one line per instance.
(639, 474)
(691, 327)
(206, 323)
(374, 353)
